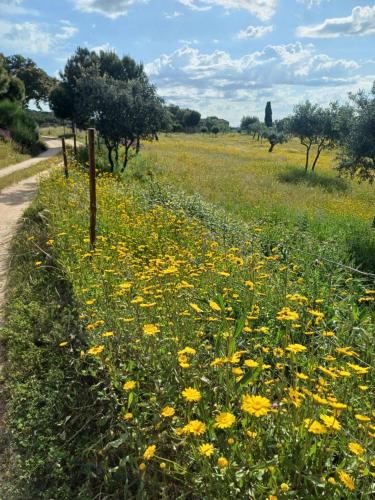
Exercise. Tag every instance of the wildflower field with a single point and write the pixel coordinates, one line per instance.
(191, 355)
(237, 173)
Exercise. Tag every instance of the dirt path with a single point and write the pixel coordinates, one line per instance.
(13, 201)
(54, 148)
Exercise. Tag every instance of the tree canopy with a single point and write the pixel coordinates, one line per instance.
(357, 126)
(37, 84)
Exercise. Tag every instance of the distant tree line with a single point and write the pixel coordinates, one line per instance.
(188, 120)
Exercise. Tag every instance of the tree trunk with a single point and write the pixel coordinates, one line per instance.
(320, 149)
(271, 147)
(316, 160)
(110, 159)
(126, 158)
(307, 158)
(138, 145)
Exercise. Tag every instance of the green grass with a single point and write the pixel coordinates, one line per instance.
(238, 174)
(19, 175)
(43, 392)
(178, 294)
(62, 132)
(10, 155)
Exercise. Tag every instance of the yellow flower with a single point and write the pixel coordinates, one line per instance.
(142, 466)
(286, 314)
(128, 416)
(250, 363)
(256, 405)
(195, 427)
(129, 385)
(149, 452)
(284, 487)
(250, 285)
(196, 307)
(314, 426)
(125, 286)
(331, 422)
(162, 465)
(230, 441)
(346, 480)
(168, 411)
(362, 418)
(206, 449)
(96, 350)
(356, 448)
(222, 462)
(107, 334)
(150, 329)
(296, 348)
(224, 420)
(214, 306)
(191, 394)
(251, 434)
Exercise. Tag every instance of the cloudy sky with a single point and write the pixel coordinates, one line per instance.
(222, 57)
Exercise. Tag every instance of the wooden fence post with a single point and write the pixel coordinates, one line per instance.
(75, 140)
(65, 158)
(91, 136)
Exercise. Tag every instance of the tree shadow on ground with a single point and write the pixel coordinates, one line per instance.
(296, 175)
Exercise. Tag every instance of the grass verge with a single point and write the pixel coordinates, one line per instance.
(19, 175)
(9, 155)
(187, 356)
(49, 403)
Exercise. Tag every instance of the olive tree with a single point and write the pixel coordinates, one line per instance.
(275, 137)
(315, 126)
(357, 137)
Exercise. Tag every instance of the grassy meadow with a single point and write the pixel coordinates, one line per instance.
(202, 349)
(9, 155)
(237, 172)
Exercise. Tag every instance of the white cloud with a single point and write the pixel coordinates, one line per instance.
(109, 8)
(296, 64)
(15, 8)
(33, 38)
(310, 3)
(218, 83)
(172, 15)
(254, 32)
(67, 30)
(263, 9)
(105, 47)
(361, 22)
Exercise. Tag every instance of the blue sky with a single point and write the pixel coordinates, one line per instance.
(222, 57)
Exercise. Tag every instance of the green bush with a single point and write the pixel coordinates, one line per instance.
(20, 123)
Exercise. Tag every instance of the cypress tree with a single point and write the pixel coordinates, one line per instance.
(268, 115)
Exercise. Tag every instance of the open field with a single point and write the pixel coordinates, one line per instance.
(9, 155)
(237, 173)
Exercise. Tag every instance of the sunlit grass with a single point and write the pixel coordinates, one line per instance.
(10, 155)
(239, 174)
(221, 370)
